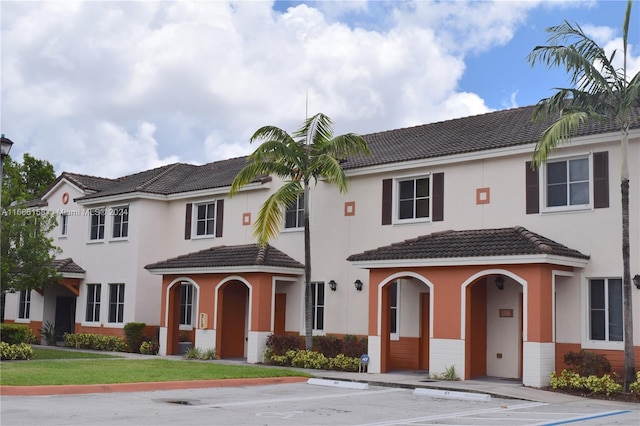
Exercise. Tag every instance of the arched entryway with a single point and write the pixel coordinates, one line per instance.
(493, 318)
(233, 302)
(405, 318)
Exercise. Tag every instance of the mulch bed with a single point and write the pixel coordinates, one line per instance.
(616, 396)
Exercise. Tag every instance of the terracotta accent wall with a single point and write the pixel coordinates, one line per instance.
(262, 285)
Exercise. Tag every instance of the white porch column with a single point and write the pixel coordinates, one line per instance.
(445, 353)
(205, 339)
(538, 361)
(256, 343)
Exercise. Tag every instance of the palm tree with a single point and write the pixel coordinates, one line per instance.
(600, 92)
(311, 153)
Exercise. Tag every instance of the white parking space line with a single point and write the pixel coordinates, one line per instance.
(304, 398)
(455, 415)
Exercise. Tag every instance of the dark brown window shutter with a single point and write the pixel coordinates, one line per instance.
(532, 190)
(600, 180)
(438, 197)
(219, 217)
(387, 201)
(187, 223)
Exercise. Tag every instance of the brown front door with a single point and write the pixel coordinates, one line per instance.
(280, 314)
(477, 329)
(423, 363)
(233, 319)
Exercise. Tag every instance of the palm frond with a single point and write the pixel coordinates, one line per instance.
(271, 214)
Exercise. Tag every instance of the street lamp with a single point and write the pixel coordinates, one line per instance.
(5, 147)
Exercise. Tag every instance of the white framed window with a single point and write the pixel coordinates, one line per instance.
(116, 303)
(120, 221)
(64, 224)
(97, 223)
(605, 310)
(394, 311)
(294, 214)
(186, 304)
(317, 296)
(24, 304)
(413, 199)
(205, 219)
(92, 313)
(567, 184)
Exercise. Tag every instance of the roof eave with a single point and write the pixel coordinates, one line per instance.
(228, 270)
(573, 262)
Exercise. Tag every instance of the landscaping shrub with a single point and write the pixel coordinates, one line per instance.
(635, 386)
(149, 347)
(587, 363)
(570, 380)
(281, 344)
(20, 351)
(197, 353)
(133, 335)
(49, 333)
(330, 346)
(14, 334)
(95, 341)
(354, 347)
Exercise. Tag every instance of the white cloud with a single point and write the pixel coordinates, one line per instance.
(110, 88)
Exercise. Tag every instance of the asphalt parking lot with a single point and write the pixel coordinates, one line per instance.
(301, 404)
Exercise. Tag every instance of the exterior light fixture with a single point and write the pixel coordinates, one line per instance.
(333, 285)
(358, 285)
(500, 283)
(636, 281)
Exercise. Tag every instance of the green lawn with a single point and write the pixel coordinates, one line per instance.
(119, 370)
(44, 353)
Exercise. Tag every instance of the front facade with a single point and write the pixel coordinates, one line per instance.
(448, 250)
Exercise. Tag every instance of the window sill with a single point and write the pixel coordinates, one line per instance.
(602, 344)
(119, 240)
(95, 242)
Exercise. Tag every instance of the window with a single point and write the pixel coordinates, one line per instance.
(567, 183)
(186, 303)
(317, 295)
(393, 308)
(294, 214)
(116, 302)
(97, 224)
(64, 224)
(414, 198)
(206, 219)
(120, 222)
(93, 303)
(24, 307)
(605, 309)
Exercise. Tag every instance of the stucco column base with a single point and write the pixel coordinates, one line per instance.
(205, 339)
(447, 353)
(162, 340)
(538, 361)
(373, 346)
(256, 343)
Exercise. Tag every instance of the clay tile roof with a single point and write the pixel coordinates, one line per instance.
(472, 243)
(67, 266)
(499, 129)
(230, 256)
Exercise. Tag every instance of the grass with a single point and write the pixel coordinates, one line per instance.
(68, 369)
(43, 353)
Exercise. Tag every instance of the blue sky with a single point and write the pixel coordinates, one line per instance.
(116, 87)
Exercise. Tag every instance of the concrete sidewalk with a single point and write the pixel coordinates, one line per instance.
(404, 379)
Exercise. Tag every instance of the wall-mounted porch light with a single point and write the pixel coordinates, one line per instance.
(333, 285)
(358, 285)
(636, 281)
(500, 283)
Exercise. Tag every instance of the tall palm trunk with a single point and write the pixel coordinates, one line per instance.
(308, 308)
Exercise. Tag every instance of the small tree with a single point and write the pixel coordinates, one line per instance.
(311, 153)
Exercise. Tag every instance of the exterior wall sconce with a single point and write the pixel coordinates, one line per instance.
(500, 283)
(636, 281)
(333, 285)
(358, 285)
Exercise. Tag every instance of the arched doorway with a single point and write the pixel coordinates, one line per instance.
(405, 314)
(494, 327)
(233, 300)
